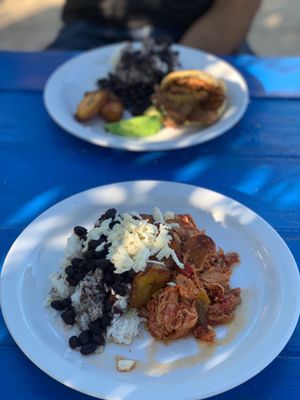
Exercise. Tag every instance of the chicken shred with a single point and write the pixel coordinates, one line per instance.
(173, 311)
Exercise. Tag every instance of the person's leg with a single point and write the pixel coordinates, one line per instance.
(78, 35)
(85, 35)
(176, 34)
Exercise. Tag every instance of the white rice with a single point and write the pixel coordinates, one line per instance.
(124, 327)
(59, 288)
(134, 241)
(121, 303)
(74, 247)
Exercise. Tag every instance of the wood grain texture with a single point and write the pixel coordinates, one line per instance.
(257, 163)
(24, 380)
(264, 75)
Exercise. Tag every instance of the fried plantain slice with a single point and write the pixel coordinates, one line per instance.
(91, 104)
(146, 283)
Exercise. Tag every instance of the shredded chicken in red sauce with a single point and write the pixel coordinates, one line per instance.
(200, 296)
(171, 316)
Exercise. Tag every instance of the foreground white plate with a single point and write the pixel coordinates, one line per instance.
(67, 85)
(264, 322)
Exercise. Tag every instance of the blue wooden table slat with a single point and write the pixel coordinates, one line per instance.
(257, 163)
(266, 76)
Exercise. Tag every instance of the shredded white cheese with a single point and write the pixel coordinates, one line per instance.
(95, 233)
(171, 284)
(134, 241)
(157, 215)
(157, 262)
(135, 214)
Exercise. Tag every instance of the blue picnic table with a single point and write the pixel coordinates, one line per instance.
(257, 163)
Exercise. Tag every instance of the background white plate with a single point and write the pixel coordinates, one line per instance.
(264, 322)
(67, 85)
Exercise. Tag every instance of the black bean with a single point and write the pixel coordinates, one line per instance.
(99, 254)
(79, 276)
(131, 274)
(119, 289)
(102, 239)
(68, 316)
(88, 348)
(67, 302)
(120, 278)
(90, 265)
(95, 326)
(71, 281)
(125, 277)
(93, 244)
(84, 337)
(83, 266)
(103, 253)
(76, 261)
(101, 288)
(57, 305)
(110, 213)
(108, 276)
(107, 304)
(70, 270)
(80, 231)
(105, 322)
(90, 254)
(103, 263)
(98, 339)
(74, 342)
(113, 223)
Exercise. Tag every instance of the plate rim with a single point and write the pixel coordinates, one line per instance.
(259, 367)
(134, 144)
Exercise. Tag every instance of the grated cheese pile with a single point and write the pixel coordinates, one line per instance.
(134, 240)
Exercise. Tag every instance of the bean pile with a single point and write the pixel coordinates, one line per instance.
(138, 71)
(112, 284)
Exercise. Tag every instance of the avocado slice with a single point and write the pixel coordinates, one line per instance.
(141, 126)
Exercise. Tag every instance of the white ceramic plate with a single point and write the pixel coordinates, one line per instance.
(264, 321)
(67, 85)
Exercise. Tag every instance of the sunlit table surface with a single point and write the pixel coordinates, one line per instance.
(257, 163)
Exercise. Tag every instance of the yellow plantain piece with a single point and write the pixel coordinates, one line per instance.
(146, 283)
(91, 105)
(203, 297)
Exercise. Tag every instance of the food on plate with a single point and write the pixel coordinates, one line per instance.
(131, 269)
(190, 97)
(145, 83)
(102, 103)
(91, 104)
(112, 111)
(144, 125)
(138, 70)
(146, 283)
(131, 84)
(124, 365)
